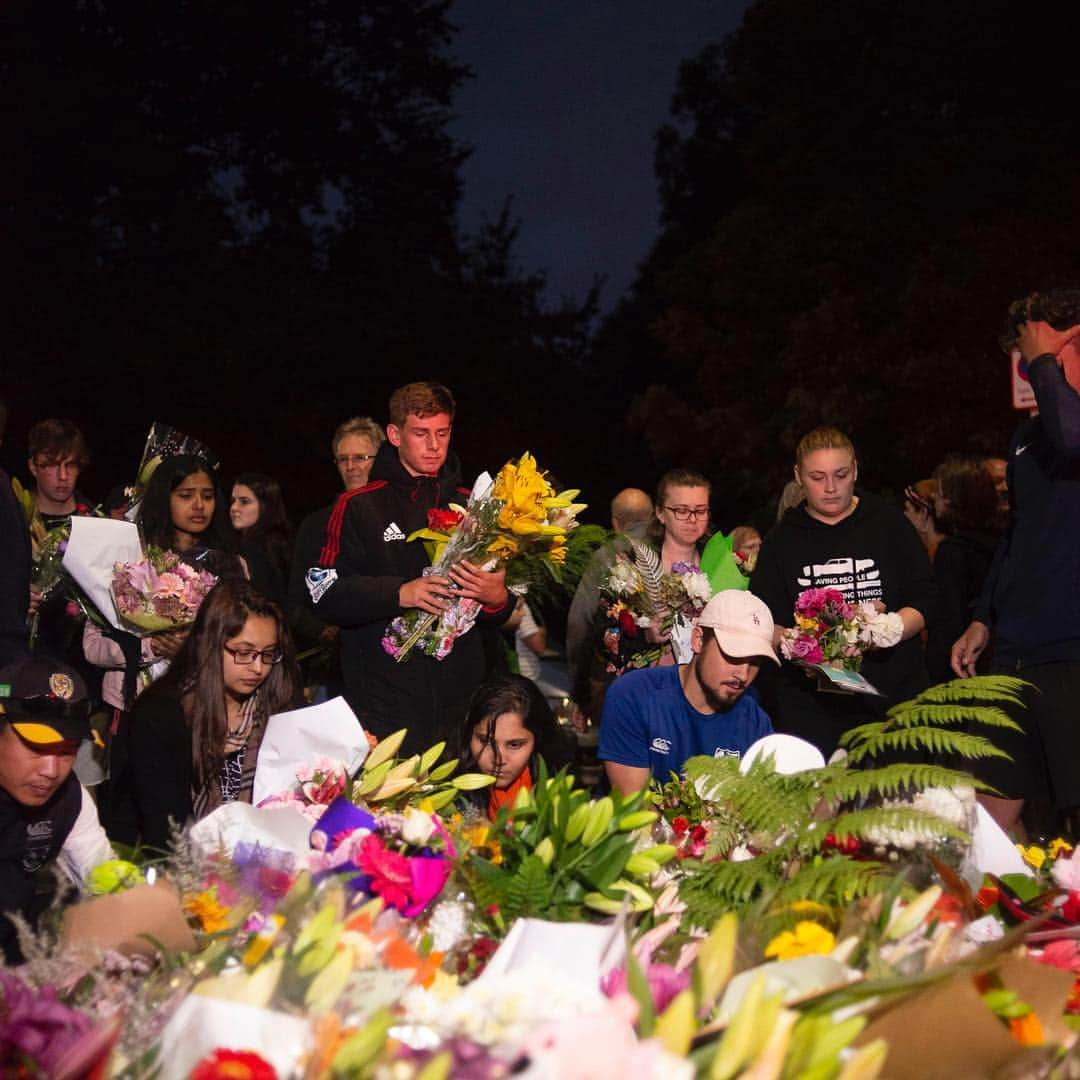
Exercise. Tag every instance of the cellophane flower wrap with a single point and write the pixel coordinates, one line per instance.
(159, 592)
(830, 630)
(519, 514)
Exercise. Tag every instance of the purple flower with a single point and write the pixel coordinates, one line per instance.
(805, 649)
(35, 1025)
(685, 568)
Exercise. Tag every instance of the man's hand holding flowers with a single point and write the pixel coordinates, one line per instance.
(431, 594)
(475, 583)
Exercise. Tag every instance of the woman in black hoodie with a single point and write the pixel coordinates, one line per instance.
(866, 549)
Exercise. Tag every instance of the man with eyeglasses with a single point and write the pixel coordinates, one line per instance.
(352, 449)
(656, 718)
(57, 455)
(367, 574)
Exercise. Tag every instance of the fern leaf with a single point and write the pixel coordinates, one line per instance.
(651, 570)
(980, 688)
(935, 740)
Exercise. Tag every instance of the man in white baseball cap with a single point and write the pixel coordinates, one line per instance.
(656, 718)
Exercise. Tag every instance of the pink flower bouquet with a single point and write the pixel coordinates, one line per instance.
(829, 630)
(404, 858)
(159, 592)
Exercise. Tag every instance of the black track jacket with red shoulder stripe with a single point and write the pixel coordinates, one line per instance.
(366, 548)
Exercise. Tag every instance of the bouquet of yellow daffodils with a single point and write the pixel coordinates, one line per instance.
(516, 515)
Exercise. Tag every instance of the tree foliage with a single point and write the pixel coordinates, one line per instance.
(252, 212)
(852, 193)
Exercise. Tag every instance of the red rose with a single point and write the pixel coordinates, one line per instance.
(699, 834)
(442, 520)
(627, 624)
(679, 826)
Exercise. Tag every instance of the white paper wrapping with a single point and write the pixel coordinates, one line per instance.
(203, 1024)
(296, 740)
(95, 545)
(579, 953)
(279, 829)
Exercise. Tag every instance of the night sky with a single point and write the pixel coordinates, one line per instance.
(562, 112)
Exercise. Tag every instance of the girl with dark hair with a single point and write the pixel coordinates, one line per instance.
(181, 511)
(966, 503)
(508, 727)
(257, 512)
(196, 732)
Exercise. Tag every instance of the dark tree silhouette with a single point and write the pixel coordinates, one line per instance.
(852, 194)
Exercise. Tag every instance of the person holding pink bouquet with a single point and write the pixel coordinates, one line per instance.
(196, 732)
(181, 511)
(863, 548)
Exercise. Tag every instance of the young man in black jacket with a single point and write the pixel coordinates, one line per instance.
(368, 575)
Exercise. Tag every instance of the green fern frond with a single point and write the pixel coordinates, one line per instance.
(935, 740)
(834, 881)
(899, 778)
(862, 732)
(949, 714)
(980, 688)
(894, 819)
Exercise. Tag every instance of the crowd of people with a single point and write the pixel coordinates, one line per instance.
(982, 574)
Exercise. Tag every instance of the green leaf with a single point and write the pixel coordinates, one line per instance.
(638, 985)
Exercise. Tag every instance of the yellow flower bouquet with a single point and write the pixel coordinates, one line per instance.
(515, 515)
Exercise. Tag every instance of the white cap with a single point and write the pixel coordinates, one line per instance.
(741, 622)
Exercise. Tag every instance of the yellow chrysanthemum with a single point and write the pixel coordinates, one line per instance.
(211, 914)
(803, 623)
(1060, 846)
(1033, 855)
(807, 939)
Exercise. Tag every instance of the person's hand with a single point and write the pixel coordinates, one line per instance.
(968, 648)
(166, 646)
(655, 636)
(1036, 338)
(35, 602)
(329, 634)
(578, 717)
(487, 586)
(431, 594)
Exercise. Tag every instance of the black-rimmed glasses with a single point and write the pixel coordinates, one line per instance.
(685, 513)
(269, 657)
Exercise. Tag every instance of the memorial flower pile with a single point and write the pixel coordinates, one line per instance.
(565, 936)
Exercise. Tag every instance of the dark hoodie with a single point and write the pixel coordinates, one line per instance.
(366, 548)
(873, 554)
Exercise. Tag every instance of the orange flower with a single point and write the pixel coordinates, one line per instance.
(1027, 1030)
(233, 1065)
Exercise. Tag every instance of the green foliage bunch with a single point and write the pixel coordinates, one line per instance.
(795, 826)
(565, 857)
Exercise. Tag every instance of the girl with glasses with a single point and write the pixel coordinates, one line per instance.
(196, 732)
